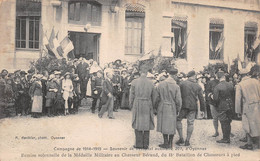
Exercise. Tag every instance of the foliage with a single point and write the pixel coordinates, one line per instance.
(49, 64)
(213, 68)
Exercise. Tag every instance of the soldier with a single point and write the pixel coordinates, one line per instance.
(107, 98)
(52, 90)
(76, 92)
(248, 104)
(117, 90)
(96, 90)
(190, 92)
(169, 96)
(141, 102)
(209, 90)
(222, 95)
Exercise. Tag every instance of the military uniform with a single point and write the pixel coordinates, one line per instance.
(222, 95)
(117, 91)
(96, 88)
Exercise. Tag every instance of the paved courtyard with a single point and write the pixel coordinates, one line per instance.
(84, 136)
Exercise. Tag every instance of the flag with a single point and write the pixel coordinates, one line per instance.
(219, 45)
(173, 45)
(185, 41)
(57, 35)
(65, 46)
(210, 43)
(179, 39)
(220, 42)
(58, 54)
(52, 36)
(229, 66)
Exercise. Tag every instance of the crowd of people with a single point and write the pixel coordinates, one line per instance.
(170, 95)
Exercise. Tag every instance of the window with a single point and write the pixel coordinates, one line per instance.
(179, 41)
(28, 14)
(134, 33)
(216, 39)
(27, 32)
(85, 12)
(249, 40)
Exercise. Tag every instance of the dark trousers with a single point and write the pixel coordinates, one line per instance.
(226, 129)
(83, 87)
(142, 139)
(94, 104)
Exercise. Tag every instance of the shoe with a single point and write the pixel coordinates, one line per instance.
(100, 116)
(243, 139)
(92, 111)
(164, 146)
(111, 117)
(187, 143)
(115, 110)
(247, 147)
(216, 134)
(137, 147)
(232, 135)
(223, 141)
(179, 142)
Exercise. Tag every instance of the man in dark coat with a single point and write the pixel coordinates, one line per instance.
(83, 73)
(190, 92)
(96, 87)
(209, 90)
(222, 95)
(141, 101)
(117, 90)
(107, 98)
(169, 97)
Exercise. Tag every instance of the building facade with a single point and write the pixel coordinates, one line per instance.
(196, 32)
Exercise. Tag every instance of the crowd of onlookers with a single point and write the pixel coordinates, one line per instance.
(60, 92)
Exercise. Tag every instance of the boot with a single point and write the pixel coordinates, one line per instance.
(165, 145)
(49, 112)
(170, 141)
(180, 141)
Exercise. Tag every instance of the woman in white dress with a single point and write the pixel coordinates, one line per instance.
(67, 88)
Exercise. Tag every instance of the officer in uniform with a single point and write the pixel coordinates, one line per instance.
(222, 95)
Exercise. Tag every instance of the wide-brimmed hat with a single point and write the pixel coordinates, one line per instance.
(67, 73)
(173, 71)
(23, 73)
(52, 76)
(57, 72)
(191, 73)
(244, 71)
(38, 76)
(150, 75)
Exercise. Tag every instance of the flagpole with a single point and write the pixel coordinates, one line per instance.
(41, 48)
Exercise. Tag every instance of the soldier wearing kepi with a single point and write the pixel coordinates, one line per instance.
(169, 97)
(190, 92)
(222, 95)
(141, 102)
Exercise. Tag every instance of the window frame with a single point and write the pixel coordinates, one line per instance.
(83, 13)
(252, 31)
(139, 18)
(27, 34)
(183, 32)
(217, 28)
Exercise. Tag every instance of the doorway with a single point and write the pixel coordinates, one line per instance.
(85, 45)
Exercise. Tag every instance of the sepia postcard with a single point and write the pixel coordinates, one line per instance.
(130, 80)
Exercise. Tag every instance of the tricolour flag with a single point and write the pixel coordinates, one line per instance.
(65, 47)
